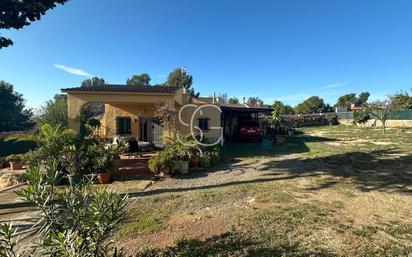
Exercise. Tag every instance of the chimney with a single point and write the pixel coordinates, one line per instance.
(214, 98)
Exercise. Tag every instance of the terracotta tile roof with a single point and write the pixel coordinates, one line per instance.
(124, 88)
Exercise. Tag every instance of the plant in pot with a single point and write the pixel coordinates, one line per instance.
(215, 154)
(102, 162)
(184, 148)
(15, 161)
(194, 160)
(163, 162)
(116, 150)
(206, 160)
(276, 122)
(74, 162)
(104, 169)
(187, 152)
(182, 163)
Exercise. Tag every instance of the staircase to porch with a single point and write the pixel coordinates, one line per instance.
(134, 168)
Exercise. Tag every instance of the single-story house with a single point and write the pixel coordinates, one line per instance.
(130, 111)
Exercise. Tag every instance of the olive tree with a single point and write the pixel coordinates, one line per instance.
(381, 110)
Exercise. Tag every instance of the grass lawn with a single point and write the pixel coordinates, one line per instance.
(327, 192)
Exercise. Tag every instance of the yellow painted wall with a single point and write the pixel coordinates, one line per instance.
(134, 111)
(122, 104)
(136, 105)
(206, 112)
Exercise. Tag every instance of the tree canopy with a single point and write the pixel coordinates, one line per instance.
(179, 78)
(381, 110)
(142, 79)
(313, 104)
(92, 82)
(401, 100)
(54, 112)
(282, 109)
(17, 14)
(233, 100)
(362, 99)
(254, 101)
(346, 100)
(14, 116)
(349, 99)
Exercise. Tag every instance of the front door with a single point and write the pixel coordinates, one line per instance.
(157, 133)
(151, 130)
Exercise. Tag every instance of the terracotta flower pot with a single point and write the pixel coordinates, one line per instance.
(166, 171)
(279, 139)
(104, 178)
(194, 162)
(16, 165)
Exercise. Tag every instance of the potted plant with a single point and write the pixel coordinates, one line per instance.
(103, 163)
(105, 176)
(182, 163)
(15, 161)
(276, 123)
(206, 161)
(116, 150)
(215, 155)
(194, 161)
(74, 162)
(163, 162)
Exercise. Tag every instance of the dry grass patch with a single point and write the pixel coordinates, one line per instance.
(330, 192)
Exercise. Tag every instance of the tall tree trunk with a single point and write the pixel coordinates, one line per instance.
(384, 126)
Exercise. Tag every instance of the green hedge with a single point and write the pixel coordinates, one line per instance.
(15, 147)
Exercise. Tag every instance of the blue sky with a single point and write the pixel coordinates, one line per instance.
(286, 50)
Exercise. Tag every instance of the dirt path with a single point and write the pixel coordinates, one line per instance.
(21, 214)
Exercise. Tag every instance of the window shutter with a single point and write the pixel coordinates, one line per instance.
(123, 125)
(118, 125)
(128, 126)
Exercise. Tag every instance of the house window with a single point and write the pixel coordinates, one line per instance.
(204, 123)
(123, 125)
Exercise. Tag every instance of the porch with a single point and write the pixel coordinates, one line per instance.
(128, 110)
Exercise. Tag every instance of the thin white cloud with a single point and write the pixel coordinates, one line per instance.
(334, 85)
(378, 97)
(72, 70)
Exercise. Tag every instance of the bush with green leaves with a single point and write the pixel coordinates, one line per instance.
(14, 158)
(360, 117)
(50, 141)
(75, 221)
(8, 241)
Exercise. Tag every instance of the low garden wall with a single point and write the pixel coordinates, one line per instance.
(374, 122)
(305, 120)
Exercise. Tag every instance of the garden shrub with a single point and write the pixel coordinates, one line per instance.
(75, 221)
